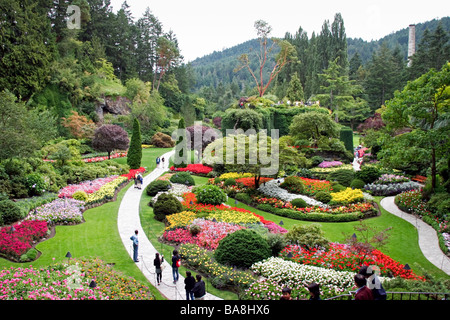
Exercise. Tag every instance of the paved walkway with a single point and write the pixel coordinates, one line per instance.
(128, 221)
(428, 239)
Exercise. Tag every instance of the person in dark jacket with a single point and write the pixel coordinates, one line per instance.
(199, 288)
(189, 282)
(363, 292)
(373, 283)
(157, 263)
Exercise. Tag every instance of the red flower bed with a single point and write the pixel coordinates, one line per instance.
(132, 173)
(250, 182)
(313, 186)
(17, 242)
(194, 168)
(340, 257)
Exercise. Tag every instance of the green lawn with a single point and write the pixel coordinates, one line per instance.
(97, 237)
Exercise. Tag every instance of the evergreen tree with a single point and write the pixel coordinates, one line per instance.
(181, 147)
(27, 47)
(134, 156)
(295, 89)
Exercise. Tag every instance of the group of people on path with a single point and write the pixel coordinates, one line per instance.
(160, 161)
(368, 287)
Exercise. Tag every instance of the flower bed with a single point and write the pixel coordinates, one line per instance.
(235, 175)
(14, 243)
(278, 273)
(89, 186)
(391, 189)
(106, 192)
(312, 186)
(411, 202)
(70, 282)
(194, 168)
(340, 257)
(132, 173)
(59, 211)
(100, 159)
(330, 164)
(209, 236)
(347, 196)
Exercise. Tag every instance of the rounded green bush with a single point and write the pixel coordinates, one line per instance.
(229, 182)
(323, 196)
(368, 174)
(166, 204)
(210, 194)
(299, 203)
(357, 184)
(183, 178)
(157, 186)
(80, 195)
(9, 212)
(343, 176)
(242, 248)
(293, 185)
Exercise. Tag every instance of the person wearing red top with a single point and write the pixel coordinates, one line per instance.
(363, 292)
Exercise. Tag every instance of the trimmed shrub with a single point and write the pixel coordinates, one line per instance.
(243, 197)
(299, 203)
(242, 248)
(346, 136)
(166, 204)
(343, 176)
(229, 182)
(9, 212)
(183, 177)
(293, 185)
(323, 196)
(157, 186)
(210, 194)
(307, 236)
(134, 155)
(35, 184)
(368, 174)
(357, 184)
(80, 195)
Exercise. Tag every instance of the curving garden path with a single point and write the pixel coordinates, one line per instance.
(428, 240)
(128, 221)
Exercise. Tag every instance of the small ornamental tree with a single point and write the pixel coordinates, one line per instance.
(110, 137)
(134, 156)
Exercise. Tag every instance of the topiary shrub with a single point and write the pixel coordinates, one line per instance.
(80, 195)
(299, 203)
(9, 212)
(343, 176)
(210, 194)
(307, 236)
(166, 204)
(293, 185)
(323, 196)
(229, 182)
(242, 248)
(368, 174)
(183, 177)
(357, 184)
(157, 186)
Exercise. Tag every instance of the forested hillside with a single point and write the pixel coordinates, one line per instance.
(217, 80)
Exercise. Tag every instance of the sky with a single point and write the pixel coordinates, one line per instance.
(205, 26)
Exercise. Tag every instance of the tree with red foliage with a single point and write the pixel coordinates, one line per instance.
(110, 137)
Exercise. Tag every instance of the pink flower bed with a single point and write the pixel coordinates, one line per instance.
(86, 186)
(209, 237)
(329, 164)
(17, 242)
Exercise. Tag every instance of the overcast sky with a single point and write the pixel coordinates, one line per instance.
(205, 26)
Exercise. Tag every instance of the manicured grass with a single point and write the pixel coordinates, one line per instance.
(403, 243)
(154, 229)
(96, 237)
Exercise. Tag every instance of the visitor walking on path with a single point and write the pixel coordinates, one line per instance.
(199, 288)
(135, 240)
(189, 282)
(158, 267)
(176, 260)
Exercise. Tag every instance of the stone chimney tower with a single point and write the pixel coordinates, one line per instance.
(411, 42)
